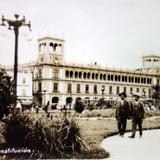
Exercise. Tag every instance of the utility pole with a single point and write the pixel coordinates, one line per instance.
(15, 25)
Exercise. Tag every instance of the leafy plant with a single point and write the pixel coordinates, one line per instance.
(79, 106)
(70, 136)
(6, 93)
(17, 126)
(55, 139)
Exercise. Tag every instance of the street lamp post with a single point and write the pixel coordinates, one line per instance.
(15, 25)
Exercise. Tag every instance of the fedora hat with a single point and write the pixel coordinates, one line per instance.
(123, 93)
(136, 94)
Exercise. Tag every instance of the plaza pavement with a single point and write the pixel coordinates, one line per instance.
(145, 148)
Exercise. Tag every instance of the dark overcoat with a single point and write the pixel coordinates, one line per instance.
(122, 110)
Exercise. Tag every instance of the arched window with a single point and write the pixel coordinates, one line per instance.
(119, 78)
(88, 75)
(96, 75)
(93, 75)
(69, 100)
(142, 80)
(55, 100)
(67, 74)
(122, 78)
(109, 77)
(125, 78)
(80, 74)
(101, 76)
(55, 46)
(76, 74)
(136, 80)
(50, 47)
(71, 74)
(115, 77)
(129, 79)
(84, 75)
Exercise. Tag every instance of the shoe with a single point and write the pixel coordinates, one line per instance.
(131, 136)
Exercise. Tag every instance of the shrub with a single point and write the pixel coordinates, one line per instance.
(44, 140)
(55, 139)
(17, 126)
(79, 106)
(70, 136)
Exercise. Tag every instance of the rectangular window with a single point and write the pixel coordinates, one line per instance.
(24, 80)
(131, 90)
(87, 88)
(55, 87)
(143, 92)
(39, 87)
(149, 92)
(69, 88)
(110, 90)
(23, 92)
(125, 89)
(117, 90)
(55, 73)
(95, 89)
(78, 88)
(138, 90)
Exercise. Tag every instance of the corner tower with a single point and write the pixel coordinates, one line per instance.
(50, 50)
(151, 63)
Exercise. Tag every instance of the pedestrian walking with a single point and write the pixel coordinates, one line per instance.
(137, 114)
(122, 111)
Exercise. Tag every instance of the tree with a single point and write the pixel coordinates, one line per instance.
(156, 93)
(79, 106)
(7, 97)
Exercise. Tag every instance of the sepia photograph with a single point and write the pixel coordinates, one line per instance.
(80, 79)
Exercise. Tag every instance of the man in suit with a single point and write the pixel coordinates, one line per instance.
(137, 114)
(122, 111)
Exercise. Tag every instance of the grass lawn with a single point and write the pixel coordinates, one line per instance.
(95, 130)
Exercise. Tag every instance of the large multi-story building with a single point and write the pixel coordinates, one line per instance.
(24, 86)
(59, 82)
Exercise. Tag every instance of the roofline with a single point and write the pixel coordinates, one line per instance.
(150, 56)
(52, 38)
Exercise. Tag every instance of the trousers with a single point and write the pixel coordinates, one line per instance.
(122, 126)
(136, 122)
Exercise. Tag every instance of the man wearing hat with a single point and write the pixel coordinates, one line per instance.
(122, 111)
(137, 114)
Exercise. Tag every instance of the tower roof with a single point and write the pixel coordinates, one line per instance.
(50, 38)
(151, 56)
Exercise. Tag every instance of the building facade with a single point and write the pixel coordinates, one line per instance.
(24, 86)
(55, 81)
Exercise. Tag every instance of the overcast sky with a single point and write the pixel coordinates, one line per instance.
(113, 33)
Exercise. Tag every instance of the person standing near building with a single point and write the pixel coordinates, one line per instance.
(137, 114)
(122, 111)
